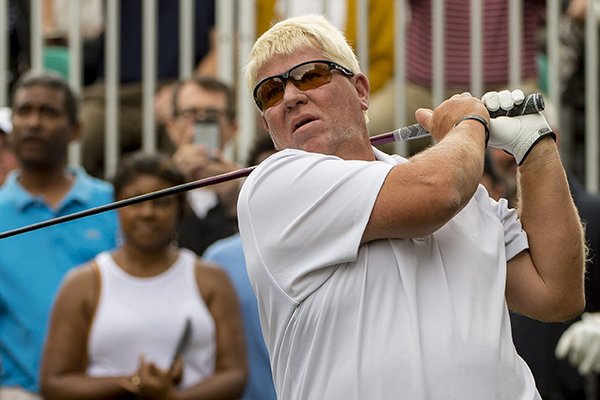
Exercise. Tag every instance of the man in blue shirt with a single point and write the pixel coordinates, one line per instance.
(45, 120)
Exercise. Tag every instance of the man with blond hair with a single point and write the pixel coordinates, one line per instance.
(379, 277)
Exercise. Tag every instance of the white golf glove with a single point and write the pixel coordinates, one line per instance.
(581, 343)
(515, 135)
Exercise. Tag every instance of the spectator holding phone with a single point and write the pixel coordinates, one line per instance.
(118, 324)
(202, 124)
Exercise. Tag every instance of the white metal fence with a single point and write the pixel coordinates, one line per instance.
(236, 34)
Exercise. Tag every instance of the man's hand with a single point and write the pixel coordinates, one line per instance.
(515, 135)
(196, 163)
(581, 344)
(151, 382)
(445, 116)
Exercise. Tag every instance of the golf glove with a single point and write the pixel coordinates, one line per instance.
(515, 135)
(581, 344)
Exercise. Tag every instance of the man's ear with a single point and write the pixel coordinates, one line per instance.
(263, 122)
(361, 83)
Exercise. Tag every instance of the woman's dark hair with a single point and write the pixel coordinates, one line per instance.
(140, 163)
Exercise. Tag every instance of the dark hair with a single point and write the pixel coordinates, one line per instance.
(140, 163)
(209, 84)
(262, 144)
(53, 81)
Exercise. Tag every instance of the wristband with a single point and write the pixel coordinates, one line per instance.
(479, 119)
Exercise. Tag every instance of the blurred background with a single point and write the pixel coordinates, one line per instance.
(414, 53)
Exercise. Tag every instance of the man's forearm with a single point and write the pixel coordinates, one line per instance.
(553, 226)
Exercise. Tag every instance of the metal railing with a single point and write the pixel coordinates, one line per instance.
(235, 34)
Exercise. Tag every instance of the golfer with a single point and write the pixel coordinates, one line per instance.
(384, 278)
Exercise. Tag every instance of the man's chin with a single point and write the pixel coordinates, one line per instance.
(37, 164)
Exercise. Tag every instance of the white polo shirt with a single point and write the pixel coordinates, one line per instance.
(409, 319)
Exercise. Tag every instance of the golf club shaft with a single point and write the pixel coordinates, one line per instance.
(533, 103)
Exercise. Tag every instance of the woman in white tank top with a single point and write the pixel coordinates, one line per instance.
(147, 320)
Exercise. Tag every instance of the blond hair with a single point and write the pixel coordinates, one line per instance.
(292, 34)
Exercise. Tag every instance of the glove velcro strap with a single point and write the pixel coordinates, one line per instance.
(535, 139)
(479, 119)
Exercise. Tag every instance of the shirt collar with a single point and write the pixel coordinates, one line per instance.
(387, 158)
(80, 192)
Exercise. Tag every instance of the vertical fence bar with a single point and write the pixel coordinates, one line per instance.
(591, 99)
(362, 34)
(225, 21)
(149, 60)
(112, 50)
(245, 104)
(515, 36)
(553, 11)
(438, 58)
(225, 32)
(37, 39)
(400, 12)
(4, 54)
(186, 38)
(75, 67)
(476, 48)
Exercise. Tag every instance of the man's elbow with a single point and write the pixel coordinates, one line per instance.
(568, 307)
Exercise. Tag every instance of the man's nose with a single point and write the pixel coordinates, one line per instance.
(33, 118)
(146, 208)
(292, 95)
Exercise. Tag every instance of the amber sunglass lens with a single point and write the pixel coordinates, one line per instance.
(270, 92)
(311, 76)
(304, 77)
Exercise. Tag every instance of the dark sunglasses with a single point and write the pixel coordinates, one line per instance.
(306, 76)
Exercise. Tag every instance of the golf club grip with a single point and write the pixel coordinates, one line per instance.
(532, 104)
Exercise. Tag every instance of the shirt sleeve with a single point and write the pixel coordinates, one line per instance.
(305, 213)
(515, 238)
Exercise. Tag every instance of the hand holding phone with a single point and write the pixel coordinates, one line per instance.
(184, 340)
(207, 132)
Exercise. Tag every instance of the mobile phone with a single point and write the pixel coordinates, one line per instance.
(183, 341)
(208, 133)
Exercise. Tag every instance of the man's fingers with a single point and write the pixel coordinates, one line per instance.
(506, 100)
(491, 101)
(423, 117)
(518, 96)
(562, 348)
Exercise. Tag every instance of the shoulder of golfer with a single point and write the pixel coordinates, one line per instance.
(391, 197)
(444, 177)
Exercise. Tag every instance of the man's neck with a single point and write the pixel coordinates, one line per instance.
(52, 184)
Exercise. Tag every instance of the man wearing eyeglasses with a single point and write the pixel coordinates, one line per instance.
(202, 124)
(379, 277)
